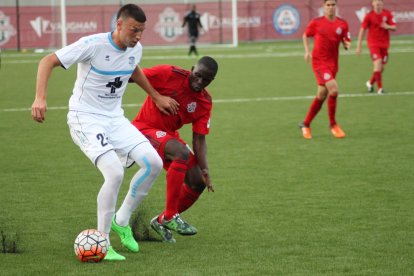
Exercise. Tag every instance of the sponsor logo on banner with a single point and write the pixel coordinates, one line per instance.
(361, 13)
(6, 29)
(286, 20)
(403, 16)
(43, 26)
(169, 24)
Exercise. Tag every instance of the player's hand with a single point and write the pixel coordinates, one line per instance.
(167, 105)
(358, 51)
(207, 180)
(39, 108)
(347, 44)
(308, 57)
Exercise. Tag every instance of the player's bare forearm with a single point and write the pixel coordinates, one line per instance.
(44, 71)
(200, 152)
(307, 56)
(165, 104)
(361, 35)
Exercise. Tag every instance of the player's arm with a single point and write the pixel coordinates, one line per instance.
(388, 27)
(200, 153)
(308, 56)
(361, 35)
(165, 104)
(44, 70)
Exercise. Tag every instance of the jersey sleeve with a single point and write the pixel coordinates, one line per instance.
(157, 75)
(346, 33)
(311, 29)
(390, 19)
(202, 125)
(79, 51)
(366, 22)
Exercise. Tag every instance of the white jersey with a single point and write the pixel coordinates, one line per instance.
(103, 73)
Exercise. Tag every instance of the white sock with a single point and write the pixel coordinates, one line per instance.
(113, 173)
(151, 164)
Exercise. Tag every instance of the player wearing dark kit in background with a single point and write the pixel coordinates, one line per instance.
(192, 18)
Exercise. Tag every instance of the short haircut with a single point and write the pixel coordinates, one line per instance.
(210, 63)
(324, 1)
(132, 10)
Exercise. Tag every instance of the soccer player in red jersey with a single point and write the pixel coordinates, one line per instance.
(379, 22)
(328, 32)
(187, 170)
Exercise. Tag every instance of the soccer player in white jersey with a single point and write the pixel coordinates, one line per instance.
(96, 120)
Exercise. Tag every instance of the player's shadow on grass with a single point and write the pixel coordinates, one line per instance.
(141, 227)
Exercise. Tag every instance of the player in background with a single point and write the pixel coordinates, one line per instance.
(379, 23)
(96, 121)
(328, 32)
(192, 18)
(187, 171)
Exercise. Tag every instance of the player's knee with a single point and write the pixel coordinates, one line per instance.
(182, 153)
(154, 163)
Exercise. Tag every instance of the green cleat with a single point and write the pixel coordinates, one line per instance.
(125, 233)
(178, 225)
(165, 234)
(111, 255)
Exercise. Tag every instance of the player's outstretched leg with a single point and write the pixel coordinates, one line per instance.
(111, 255)
(125, 233)
(164, 233)
(177, 224)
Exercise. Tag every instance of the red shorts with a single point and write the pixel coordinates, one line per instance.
(159, 139)
(379, 53)
(323, 74)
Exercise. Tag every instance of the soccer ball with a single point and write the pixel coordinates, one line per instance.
(91, 246)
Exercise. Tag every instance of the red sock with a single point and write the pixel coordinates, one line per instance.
(372, 80)
(378, 79)
(313, 110)
(332, 99)
(175, 179)
(187, 198)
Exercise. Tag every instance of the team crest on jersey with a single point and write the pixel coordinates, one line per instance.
(327, 76)
(339, 31)
(160, 134)
(191, 107)
(132, 61)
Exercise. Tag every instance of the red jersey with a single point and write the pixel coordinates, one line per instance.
(378, 36)
(195, 107)
(327, 37)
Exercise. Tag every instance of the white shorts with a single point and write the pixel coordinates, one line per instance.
(97, 134)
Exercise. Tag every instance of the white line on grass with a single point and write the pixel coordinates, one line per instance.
(244, 100)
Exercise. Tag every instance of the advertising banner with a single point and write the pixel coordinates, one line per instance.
(40, 27)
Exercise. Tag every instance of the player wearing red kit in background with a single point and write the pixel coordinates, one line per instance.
(328, 32)
(187, 171)
(379, 22)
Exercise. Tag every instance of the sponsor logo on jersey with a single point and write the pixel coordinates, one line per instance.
(160, 134)
(191, 107)
(6, 29)
(286, 20)
(132, 61)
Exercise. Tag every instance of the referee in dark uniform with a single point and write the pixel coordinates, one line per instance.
(192, 18)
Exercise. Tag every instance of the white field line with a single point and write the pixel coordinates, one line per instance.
(243, 100)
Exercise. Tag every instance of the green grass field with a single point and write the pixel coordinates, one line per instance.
(283, 205)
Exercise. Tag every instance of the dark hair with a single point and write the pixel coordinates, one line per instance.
(132, 10)
(324, 1)
(210, 63)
